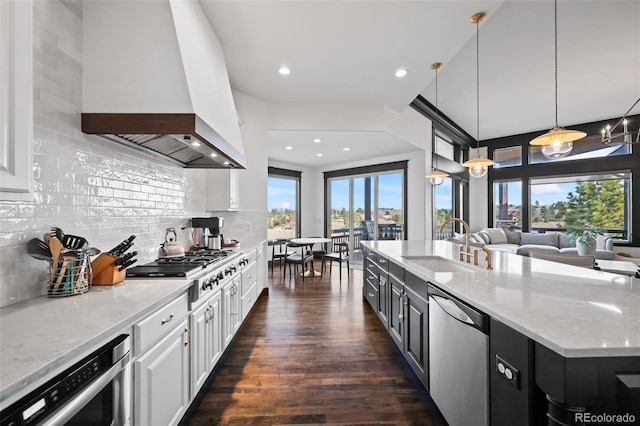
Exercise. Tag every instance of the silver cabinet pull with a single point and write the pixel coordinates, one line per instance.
(164, 321)
(371, 294)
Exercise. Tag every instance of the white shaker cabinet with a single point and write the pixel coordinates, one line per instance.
(161, 369)
(222, 190)
(162, 379)
(261, 267)
(206, 340)
(16, 100)
(231, 310)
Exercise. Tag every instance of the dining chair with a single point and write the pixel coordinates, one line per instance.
(279, 255)
(584, 261)
(318, 254)
(340, 256)
(295, 254)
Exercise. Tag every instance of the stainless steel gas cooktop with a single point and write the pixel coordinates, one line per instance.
(194, 261)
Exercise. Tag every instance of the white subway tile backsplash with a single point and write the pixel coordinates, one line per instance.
(82, 183)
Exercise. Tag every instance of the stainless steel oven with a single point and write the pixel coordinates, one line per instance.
(94, 391)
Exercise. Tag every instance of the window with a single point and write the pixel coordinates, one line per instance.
(583, 149)
(283, 199)
(443, 207)
(597, 202)
(508, 157)
(507, 199)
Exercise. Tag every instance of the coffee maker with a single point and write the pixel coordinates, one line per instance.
(206, 232)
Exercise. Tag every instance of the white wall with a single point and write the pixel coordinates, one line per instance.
(478, 199)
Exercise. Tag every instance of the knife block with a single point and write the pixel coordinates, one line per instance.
(104, 273)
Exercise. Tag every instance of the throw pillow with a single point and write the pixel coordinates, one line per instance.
(513, 237)
(601, 241)
(565, 242)
(481, 237)
(550, 239)
(496, 235)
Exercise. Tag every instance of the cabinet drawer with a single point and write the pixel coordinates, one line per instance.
(371, 275)
(155, 325)
(248, 277)
(369, 263)
(382, 262)
(371, 294)
(249, 299)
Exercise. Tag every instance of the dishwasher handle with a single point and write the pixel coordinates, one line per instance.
(459, 310)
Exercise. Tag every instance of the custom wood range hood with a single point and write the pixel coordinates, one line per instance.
(155, 79)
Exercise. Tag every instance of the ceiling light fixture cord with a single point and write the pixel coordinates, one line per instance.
(478, 87)
(555, 41)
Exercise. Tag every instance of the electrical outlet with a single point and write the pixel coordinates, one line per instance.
(508, 372)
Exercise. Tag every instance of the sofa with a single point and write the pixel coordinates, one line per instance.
(523, 243)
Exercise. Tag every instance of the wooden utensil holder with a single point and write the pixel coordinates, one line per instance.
(104, 273)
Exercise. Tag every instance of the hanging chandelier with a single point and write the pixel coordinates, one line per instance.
(478, 166)
(557, 142)
(627, 137)
(436, 176)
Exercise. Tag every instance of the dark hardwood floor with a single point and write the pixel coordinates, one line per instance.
(313, 353)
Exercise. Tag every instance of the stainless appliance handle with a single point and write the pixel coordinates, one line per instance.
(452, 308)
(67, 411)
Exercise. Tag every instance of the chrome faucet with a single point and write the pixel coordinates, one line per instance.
(466, 252)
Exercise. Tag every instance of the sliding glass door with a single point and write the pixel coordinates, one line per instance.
(365, 207)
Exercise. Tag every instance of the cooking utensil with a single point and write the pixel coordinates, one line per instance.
(74, 242)
(38, 249)
(120, 248)
(125, 258)
(61, 275)
(93, 251)
(55, 247)
(57, 232)
(128, 263)
(46, 237)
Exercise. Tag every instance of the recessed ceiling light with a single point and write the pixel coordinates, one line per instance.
(401, 73)
(288, 148)
(284, 70)
(213, 154)
(226, 163)
(346, 149)
(317, 140)
(195, 143)
(318, 155)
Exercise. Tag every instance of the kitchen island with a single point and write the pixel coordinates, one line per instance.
(571, 334)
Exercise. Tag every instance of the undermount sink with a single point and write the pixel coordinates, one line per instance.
(439, 264)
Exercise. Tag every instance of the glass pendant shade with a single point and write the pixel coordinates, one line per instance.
(436, 177)
(557, 149)
(557, 142)
(478, 167)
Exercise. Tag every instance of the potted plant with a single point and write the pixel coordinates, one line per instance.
(585, 239)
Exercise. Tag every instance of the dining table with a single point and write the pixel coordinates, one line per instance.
(310, 242)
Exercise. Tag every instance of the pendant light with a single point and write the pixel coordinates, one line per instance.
(557, 142)
(479, 166)
(436, 176)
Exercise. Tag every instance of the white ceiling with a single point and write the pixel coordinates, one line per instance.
(347, 52)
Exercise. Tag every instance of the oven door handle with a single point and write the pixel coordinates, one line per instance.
(70, 409)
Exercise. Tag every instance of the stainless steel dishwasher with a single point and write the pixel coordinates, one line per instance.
(458, 359)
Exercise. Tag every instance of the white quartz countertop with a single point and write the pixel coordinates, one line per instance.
(39, 337)
(574, 311)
